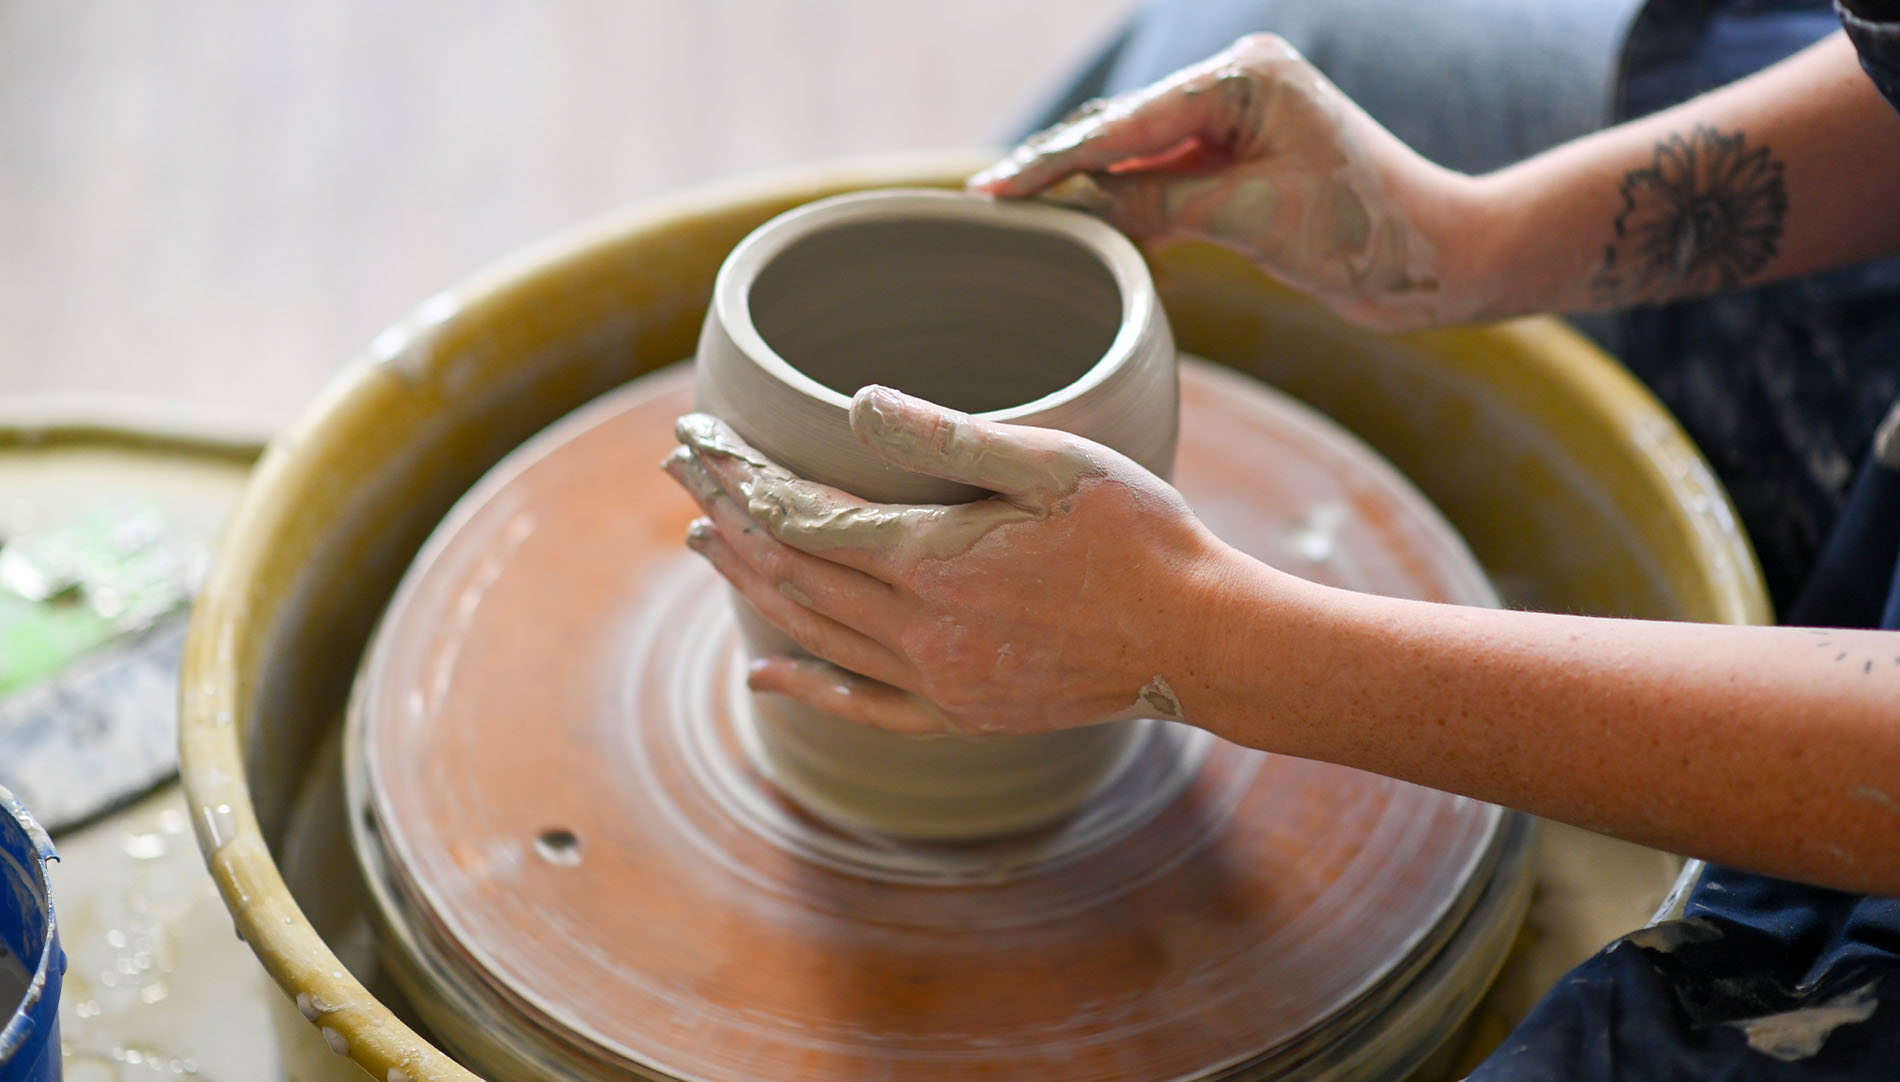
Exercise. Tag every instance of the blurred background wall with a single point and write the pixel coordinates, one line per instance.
(219, 202)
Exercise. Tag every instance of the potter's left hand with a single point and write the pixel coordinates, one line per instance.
(1053, 603)
(1255, 150)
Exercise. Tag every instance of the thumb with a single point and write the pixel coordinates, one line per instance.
(1018, 461)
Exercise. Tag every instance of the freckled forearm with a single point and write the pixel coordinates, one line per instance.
(1782, 173)
(1771, 748)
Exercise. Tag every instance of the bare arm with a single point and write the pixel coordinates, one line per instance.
(1776, 749)
(1771, 748)
(1789, 170)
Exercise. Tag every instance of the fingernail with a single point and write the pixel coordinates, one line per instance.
(706, 433)
(877, 407)
(699, 534)
(683, 466)
(709, 435)
(695, 428)
(995, 174)
(680, 465)
(755, 678)
(883, 398)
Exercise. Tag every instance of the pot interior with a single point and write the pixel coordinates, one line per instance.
(969, 315)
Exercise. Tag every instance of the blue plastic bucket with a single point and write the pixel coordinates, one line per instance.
(32, 964)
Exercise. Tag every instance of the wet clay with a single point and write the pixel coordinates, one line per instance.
(818, 518)
(1023, 313)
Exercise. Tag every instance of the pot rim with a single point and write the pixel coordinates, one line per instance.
(1117, 254)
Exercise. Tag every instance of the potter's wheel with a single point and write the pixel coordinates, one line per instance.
(580, 867)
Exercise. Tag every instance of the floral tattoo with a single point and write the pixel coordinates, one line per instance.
(1704, 215)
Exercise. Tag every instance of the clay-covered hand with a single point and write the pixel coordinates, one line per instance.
(1056, 602)
(1257, 151)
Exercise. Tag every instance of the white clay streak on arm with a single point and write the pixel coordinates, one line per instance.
(1772, 748)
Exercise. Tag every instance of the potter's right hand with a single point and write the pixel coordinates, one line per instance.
(1073, 595)
(1257, 151)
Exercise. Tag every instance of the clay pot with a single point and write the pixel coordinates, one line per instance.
(1015, 312)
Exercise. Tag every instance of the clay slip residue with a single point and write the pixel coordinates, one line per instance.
(913, 435)
(1795, 1035)
(1159, 697)
(816, 518)
(1666, 937)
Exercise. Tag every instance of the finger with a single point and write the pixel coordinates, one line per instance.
(707, 434)
(880, 540)
(1211, 102)
(831, 690)
(813, 518)
(816, 634)
(1215, 206)
(1195, 155)
(850, 597)
(1085, 191)
(1027, 466)
(683, 467)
